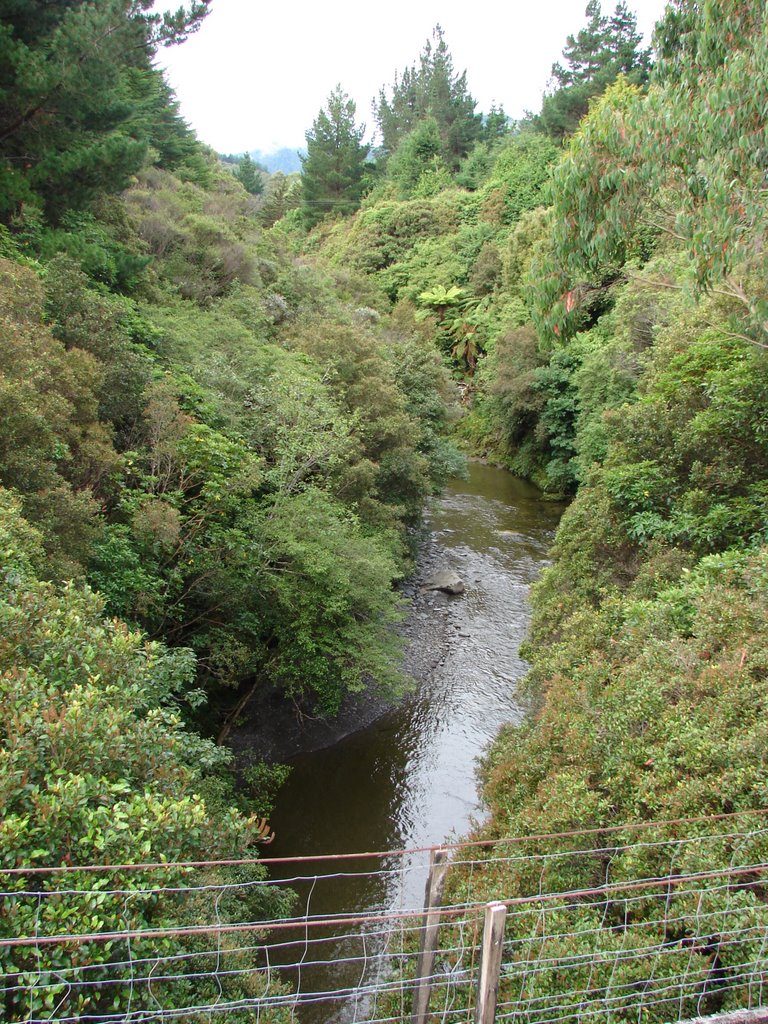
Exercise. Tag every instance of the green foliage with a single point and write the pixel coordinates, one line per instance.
(516, 183)
(417, 158)
(201, 238)
(218, 430)
(651, 710)
(282, 194)
(642, 383)
(505, 407)
(303, 433)
(381, 235)
(53, 449)
(240, 427)
(96, 767)
(614, 673)
(264, 780)
(457, 324)
(423, 379)
(457, 241)
(249, 176)
(607, 48)
(87, 320)
(332, 171)
(390, 480)
(622, 172)
(496, 124)
(330, 602)
(231, 436)
(432, 92)
(590, 188)
(80, 99)
(554, 385)
(707, 463)
(475, 167)
(91, 245)
(440, 299)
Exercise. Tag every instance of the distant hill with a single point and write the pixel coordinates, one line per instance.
(285, 160)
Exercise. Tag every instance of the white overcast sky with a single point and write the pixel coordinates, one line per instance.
(257, 73)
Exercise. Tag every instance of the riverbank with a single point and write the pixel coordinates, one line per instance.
(274, 729)
(379, 778)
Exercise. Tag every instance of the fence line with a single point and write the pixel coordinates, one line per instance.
(666, 927)
(309, 921)
(635, 826)
(209, 886)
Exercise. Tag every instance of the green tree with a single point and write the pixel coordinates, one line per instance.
(496, 124)
(54, 452)
(97, 768)
(587, 52)
(685, 161)
(173, 144)
(331, 605)
(417, 155)
(248, 174)
(399, 114)
(606, 48)
(433, 90)
(333, 169)
(448, 100)
(73, 79)
(281, 195)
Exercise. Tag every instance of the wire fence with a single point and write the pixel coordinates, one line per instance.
(658, 921)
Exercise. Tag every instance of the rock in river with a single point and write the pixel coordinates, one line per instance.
(444, 580)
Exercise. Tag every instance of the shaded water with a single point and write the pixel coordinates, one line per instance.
(408, 780)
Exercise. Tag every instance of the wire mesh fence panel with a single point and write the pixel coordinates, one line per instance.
(604, 925)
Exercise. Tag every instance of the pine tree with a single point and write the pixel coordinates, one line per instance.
(399, 115)
(496, 125)
(624, 45)
(247, 173)
(587, 53)
(332, 171)
(433, 90)
(606, 48)
(76, 88)
(418, 154)
(280, 197)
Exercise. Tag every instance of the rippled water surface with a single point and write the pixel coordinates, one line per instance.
(408, 780)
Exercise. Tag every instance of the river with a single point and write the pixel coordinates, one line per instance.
(409, 779)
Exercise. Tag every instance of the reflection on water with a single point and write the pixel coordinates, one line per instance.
(408, 780)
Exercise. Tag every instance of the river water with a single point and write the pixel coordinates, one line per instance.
(409, 779)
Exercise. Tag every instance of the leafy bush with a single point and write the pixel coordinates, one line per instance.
(96, 768)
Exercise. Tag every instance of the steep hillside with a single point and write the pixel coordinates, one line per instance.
(213, 460)
(219, 429)
(620, 305)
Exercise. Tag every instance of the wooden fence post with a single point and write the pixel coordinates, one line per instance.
(490, 963)
(438, 866)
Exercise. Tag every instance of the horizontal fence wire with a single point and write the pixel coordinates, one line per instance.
(628, 827)
(609, 925)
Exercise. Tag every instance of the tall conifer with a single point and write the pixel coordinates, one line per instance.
(601, 51)
(332, 171)
(433, 90)
(78, 97)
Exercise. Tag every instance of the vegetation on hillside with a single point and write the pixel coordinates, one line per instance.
(98, 768)
(219, 429)
(605, 307)
(214, 455)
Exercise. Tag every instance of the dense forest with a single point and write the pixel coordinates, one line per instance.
(214, 454)
(227, 396)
